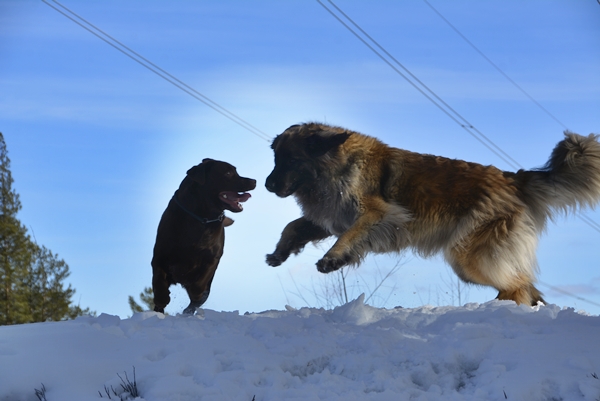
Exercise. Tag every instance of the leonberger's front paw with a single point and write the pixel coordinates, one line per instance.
(275, 259)
(329, 264)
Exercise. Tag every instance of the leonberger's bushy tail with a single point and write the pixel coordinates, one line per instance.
(569, 180)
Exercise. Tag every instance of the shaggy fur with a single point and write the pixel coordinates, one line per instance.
(191, 235)
(375, 198)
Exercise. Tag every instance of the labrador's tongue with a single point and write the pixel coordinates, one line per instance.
(234, 199)
(243, 197)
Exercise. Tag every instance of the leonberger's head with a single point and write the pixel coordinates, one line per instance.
(302, 153)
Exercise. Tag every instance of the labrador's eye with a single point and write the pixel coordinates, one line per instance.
(228, 174)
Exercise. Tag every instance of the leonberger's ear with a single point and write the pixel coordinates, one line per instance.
(318, 145)
(198, 173)
(275, 142)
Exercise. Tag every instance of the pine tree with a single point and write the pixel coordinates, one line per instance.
(48, 299)
(147, 298)
(31, 277)
(16, 249)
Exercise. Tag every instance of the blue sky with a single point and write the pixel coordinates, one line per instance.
(98, 143)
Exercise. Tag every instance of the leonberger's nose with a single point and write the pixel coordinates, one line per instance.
(270, 184)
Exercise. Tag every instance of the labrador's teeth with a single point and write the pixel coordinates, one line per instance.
(225, 196)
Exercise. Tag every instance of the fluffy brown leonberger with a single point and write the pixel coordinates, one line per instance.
(376, 198)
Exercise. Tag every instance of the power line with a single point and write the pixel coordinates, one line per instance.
(570, 294)
(88, 26)
(421, 87)
(430, 94)
(449, 111)
(495, 66)
(590, 222)
(585, 219)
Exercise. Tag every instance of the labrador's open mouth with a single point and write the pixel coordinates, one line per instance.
(234, 199)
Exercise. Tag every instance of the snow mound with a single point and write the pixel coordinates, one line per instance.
(491, 351)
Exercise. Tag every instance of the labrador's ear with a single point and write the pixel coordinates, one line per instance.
(198, 173)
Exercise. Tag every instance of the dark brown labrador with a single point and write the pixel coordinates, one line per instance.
(191, 235)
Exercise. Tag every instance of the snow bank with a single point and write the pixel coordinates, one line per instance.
(492, 351)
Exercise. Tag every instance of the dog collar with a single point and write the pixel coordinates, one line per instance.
(203, 220)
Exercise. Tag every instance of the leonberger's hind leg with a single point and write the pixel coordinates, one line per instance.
(528, 295)
(500, 254)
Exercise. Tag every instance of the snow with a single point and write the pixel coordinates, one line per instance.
(491, 351)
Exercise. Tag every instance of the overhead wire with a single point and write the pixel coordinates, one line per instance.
(495, 66)
(424, 89)
(429, 93)
(557, 289)
(589, 222)
(583, 217)
(420, 86)
(94, 30)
